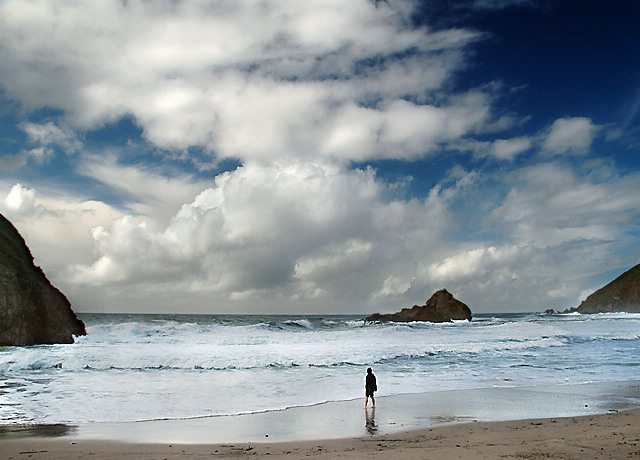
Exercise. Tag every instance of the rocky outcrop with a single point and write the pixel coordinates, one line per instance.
(440, 308)
(32, 311)
(620, 295)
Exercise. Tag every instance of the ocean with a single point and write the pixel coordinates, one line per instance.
(169, 367)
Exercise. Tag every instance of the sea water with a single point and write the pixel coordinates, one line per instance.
(164, 367)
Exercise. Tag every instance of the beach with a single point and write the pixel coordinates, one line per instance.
(509, 386)
(137, 368)
(600, 420)
(603, 436)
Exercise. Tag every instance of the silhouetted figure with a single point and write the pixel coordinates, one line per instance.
(370, 386)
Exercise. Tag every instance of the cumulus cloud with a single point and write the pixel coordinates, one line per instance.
(300, 230)
(296, 91)
(570, 135)
(294, 234)
(554, 227)
(67, 219)
(191, 75)
(21, 200)
(519, 277)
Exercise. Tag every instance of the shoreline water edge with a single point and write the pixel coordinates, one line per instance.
(152, 367)
(187, 386)
(347, 419)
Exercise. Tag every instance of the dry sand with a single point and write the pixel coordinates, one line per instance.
(608, 436)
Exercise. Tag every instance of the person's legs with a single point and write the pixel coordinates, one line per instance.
(366, 400)
(373, 401)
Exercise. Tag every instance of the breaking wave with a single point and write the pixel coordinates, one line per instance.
(138, 367)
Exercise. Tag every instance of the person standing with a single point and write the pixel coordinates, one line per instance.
(370, 386)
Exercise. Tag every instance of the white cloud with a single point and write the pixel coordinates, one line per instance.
(334, 260)
(303, 230)
(20, 200)
(152, 194)
(295, 90)
(394, 286)
(518, 277)
(45, 136)
(469, 263)
(508, 149)
(67, 220)
(13, 163)
(49, 133)
(550, 204)
(570, 135)
(252, 80)
(315, 236)
(565, 136)
(400, 130)
(555, 227)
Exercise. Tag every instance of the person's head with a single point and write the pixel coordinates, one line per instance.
(369, 371)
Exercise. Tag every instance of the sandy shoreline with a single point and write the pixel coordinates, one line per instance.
(598, 420)
(605, 436)
(347, 419)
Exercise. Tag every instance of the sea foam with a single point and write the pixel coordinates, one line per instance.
(146, 367)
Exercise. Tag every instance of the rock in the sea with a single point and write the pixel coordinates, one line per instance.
(440, 308)
(620, 295)
(32, 311)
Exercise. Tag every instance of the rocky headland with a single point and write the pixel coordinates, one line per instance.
(442, 307)
(32, 311)
(620, 295)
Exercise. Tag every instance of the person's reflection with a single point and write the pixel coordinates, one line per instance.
(370, 423)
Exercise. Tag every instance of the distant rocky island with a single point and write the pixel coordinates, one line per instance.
(620, 295)
(32, 311)
(442, 307)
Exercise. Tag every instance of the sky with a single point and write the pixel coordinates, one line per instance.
(321, 156)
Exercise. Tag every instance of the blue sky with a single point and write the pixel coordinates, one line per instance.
(322, 156)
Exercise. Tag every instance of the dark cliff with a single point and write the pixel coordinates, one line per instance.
(440, 308)
(620, 295)
(32, 311)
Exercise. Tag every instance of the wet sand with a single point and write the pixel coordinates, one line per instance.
(607, 436)
(558, 421)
